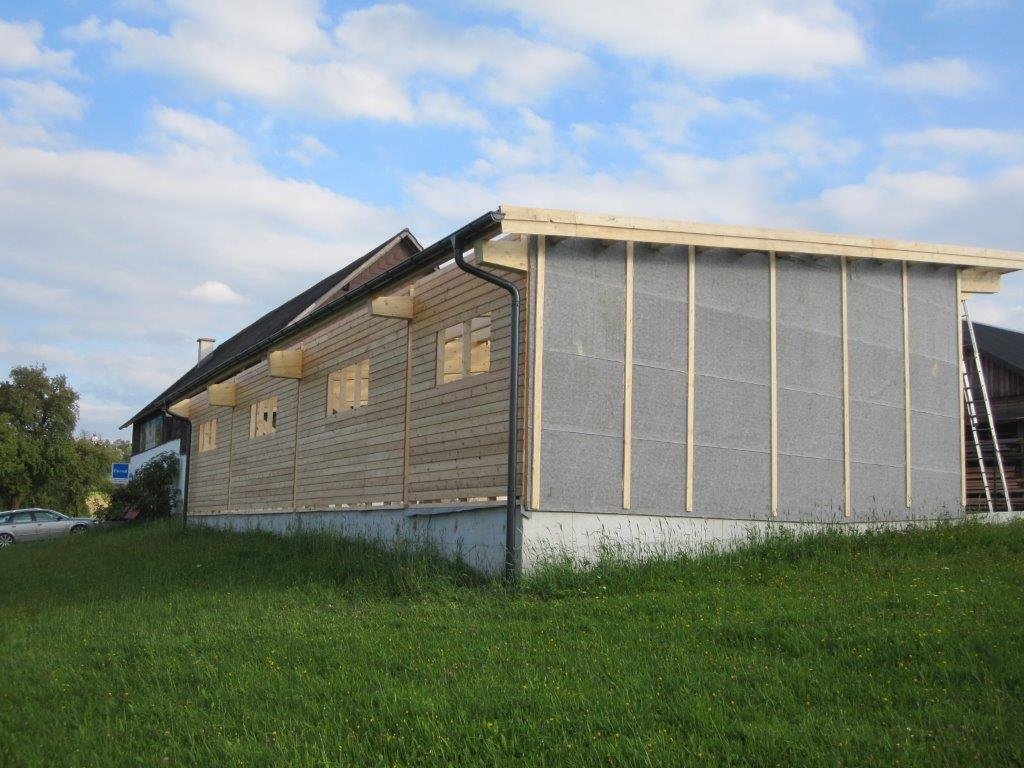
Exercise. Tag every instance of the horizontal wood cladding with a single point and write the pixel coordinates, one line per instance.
(456, 440)
(208, 473)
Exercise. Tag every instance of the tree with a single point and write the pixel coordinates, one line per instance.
(41, 462)
(40, 413)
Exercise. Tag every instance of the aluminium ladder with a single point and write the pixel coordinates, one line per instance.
(972, 415)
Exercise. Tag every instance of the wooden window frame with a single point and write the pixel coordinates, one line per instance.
(208, 436)
(466, 330)
(360, 394)
(258, 413)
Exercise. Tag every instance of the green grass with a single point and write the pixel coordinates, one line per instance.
(151, 645)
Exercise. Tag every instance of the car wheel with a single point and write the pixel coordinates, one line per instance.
(6, 539)
(78, 529)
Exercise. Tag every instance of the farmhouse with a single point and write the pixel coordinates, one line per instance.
(674, 384)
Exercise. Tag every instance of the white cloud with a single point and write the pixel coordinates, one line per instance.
(930, 205)
(115, 240)
(405, 41)
(956, 141)
(38, 100)
(308, 150)
(385, 62)
(937, 77)
(30, 111)
(534, 147)
(809, 147)
(669, 116)
(583, 133)
(20, 49)
(199, 132)
(215, 292)
(710, 38)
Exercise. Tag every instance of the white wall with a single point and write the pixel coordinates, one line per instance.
(139, 460)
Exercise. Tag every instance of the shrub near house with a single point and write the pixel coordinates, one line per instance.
(152, 491)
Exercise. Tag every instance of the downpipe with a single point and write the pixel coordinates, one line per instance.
(511, 508)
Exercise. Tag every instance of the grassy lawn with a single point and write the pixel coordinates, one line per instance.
(153, 645)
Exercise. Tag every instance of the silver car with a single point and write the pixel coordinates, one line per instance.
(33, 524)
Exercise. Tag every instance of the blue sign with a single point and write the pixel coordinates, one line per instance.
(119, 472)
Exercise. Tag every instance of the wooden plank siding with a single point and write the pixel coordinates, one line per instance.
(208, 473)
(455, 448)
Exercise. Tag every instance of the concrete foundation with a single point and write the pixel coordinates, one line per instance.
(475, 535)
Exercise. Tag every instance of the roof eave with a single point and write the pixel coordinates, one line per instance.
(425, 259)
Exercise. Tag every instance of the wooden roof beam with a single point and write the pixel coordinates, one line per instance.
(180, 409)
(285, 363)
(401, 307)
(504, 254)
(224, 394)
(979, 281)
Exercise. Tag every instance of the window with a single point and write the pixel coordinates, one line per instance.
(207, 435)
(263, 417)
(151, 433)
(464, 350)
(348, 388)
(46, 516)
(21, 517)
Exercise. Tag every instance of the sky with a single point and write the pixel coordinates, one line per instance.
(171, 169)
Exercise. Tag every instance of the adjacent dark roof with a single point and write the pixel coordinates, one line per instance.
(271, 323)
(1004, 345)
(265, 333)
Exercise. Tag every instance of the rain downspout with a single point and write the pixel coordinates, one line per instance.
(511, 509)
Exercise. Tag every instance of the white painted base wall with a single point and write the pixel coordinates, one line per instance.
(583, 537)
(475, 535)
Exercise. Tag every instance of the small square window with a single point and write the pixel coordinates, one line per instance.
(464, 350)
(348, 388)
(208, 436)
(263, 417)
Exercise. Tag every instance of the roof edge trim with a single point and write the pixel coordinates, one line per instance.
(544, 221)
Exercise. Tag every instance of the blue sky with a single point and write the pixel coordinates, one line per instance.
(173, 168)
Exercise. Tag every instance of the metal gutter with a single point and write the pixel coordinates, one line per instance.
(436, 253)
(512, 554)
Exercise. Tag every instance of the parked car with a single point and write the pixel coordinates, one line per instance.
(32, 524)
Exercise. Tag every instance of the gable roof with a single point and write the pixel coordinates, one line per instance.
(400, 246)
(1004, 345)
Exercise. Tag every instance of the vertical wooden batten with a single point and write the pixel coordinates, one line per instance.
(844, 332)
(691, 354)
(231, 456)
(627, 381)
(538, 375)
(295, 446)
(408, 404)
(906, 382)
(774, 379)
(960, 388)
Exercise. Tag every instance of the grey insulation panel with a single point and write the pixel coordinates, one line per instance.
(934, 391)
(875, 323)
(583, 393)
(809, 353)
(731, 422)
(583, 413)
(658, 470)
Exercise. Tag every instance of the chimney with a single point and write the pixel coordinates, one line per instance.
(205, 347)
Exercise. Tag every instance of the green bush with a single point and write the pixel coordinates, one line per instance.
(152, 491)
